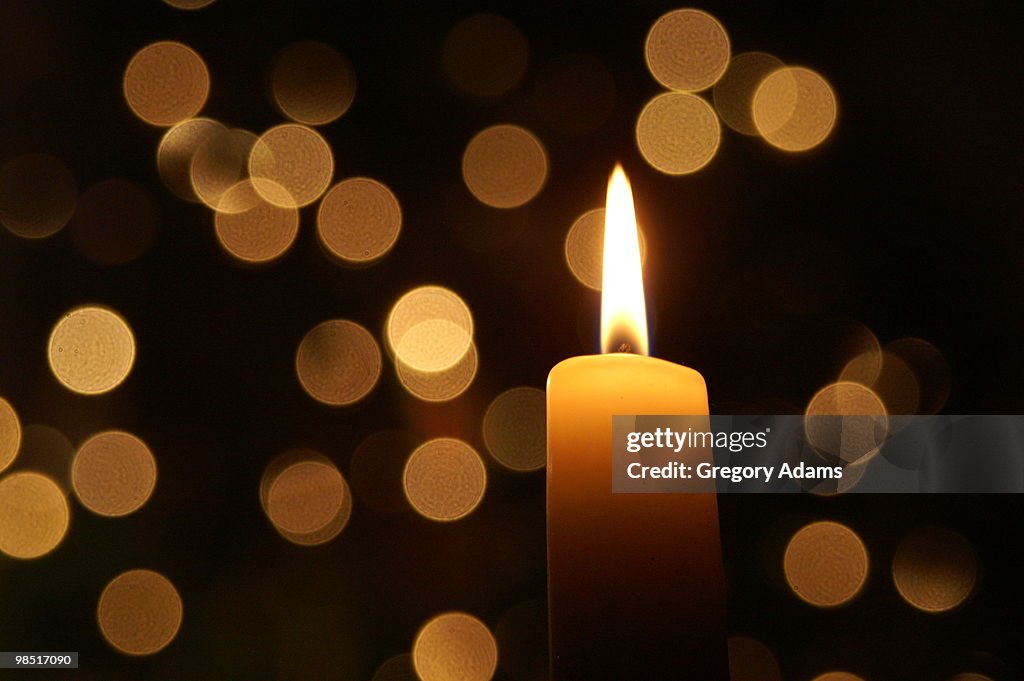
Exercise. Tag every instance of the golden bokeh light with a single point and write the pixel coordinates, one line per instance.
(935, 569)
(397, 668)
(114, 473)
(115, 223)
(794, 109)
(444, 479)
(220, 163)
(10, 434)
(313, 83)
(165, 83)
(837, 676)
(34, 515)
(359, 220)
(256, 231)
(584, 248)
(485, 55)
(294, 157)
(751, 660)
(139, 612)
(505, 166)
(847, 421)
(515, 429)
(91, 350)
(687, 49)
(177, 148)
(308, 501)
(455, 646)
(338, 362)
(678, 133)
(930, 369)
(376, 470)
(575, 94)
(734, 93)
(189, 4)
(37, 195)
(859, 353)
(522, 637)
(429, 329)
(826, 564)
(443, 385)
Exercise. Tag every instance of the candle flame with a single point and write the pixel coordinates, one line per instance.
(623, 311)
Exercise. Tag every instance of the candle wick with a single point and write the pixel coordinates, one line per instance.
(625, 347)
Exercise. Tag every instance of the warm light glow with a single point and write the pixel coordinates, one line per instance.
(847, 421)
(687, 49)
(794, 109)
(751, 660)
(165, 83)
(256, 231)
(455, 647)
(678, 133)
(139, 612)
(34, 515)
(444, 479)
(91, 350)
(177, 148)
(623, 310)
(359, 220)
(584, 248)
(429, 329)
(219, 164)
(935, 569)
(514, 429)
(114, 473)
(443, 385)
(305, 497)
(734, 93)
(826, 564)
(296, 158)
(505, 166)
(37, 195)
(338, 362)
(10, 434)
(312, 83)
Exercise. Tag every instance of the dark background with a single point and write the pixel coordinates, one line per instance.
(907, 219)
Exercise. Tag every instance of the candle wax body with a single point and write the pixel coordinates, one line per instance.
(635, 582)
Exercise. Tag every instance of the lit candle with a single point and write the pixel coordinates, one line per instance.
(635, 583)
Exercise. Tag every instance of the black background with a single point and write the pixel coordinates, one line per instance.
(908, 219)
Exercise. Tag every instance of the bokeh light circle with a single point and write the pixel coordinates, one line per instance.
(847, 421)
(678, 133)
(10, 434)
(444, 479)
(504, 166)
(114, 473)
(455, 646)
(256, 231)
(935, 569)
(313, 83)
(34, 515)
(931, 371)
(443, 385)
(91, 350)
(338, 362)
(116, 222)
(584, 248)
(177, 148)
(139, 612)
(295, 157)
(37, 195)
(165, 83)
(485, 55)
(359, 220)
(734, 93)
(306, 496)
(826, 564)
(220, 163)
(430, 329)
(515, 429)
(794, 109)
(687, 49)
(751, 660)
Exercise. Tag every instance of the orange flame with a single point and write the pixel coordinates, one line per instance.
(623, 310)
